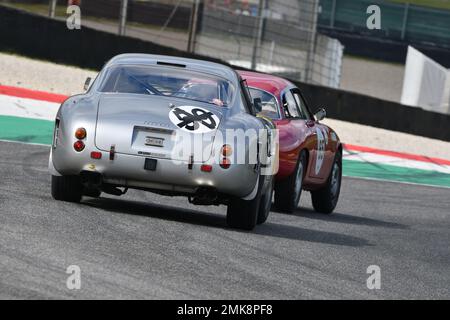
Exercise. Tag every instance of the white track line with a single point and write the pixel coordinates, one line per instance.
(28, 108)
(28, 143)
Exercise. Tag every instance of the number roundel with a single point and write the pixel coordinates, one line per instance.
(320, 150)
(193, 119)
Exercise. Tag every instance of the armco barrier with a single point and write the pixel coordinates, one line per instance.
(40, 37)
(358, 108)
(140, 12)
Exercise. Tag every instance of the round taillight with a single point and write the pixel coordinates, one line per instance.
(225, 163)
(79, 146)
(80, 133)
(226, 150)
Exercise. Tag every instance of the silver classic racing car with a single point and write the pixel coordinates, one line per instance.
(168, 125)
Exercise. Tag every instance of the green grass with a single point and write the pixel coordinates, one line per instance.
(43, 9)
(38, 8)
(61, 10)
(439, 4)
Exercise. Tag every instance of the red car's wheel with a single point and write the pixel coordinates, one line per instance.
(325, 199)
(289, 190)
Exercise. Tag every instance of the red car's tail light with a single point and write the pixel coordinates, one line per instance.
(79, 146)
(225, 163)
(96, 155)
(80, 133)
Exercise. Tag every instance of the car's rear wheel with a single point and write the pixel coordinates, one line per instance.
(67, 188)
(243, 214)
(289, 190)
(266, 203)
(325, 199)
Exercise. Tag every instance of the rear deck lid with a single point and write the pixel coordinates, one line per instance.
(157, 127)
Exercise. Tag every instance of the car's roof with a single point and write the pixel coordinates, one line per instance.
(270, 83)
(193, 64)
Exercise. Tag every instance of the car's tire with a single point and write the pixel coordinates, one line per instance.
(289, 190)
(67, 188)
(243, 214)
(266, 203)
(325, 199)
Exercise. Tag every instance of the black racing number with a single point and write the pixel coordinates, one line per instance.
(191, 121)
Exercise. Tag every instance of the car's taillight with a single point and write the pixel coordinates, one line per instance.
(96, 155)
(226, 150)
(78, 146)
(80, 133)
(206, 168)
(225, 163)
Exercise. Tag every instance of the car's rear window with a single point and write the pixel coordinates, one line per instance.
(168, 81)
(269, 103)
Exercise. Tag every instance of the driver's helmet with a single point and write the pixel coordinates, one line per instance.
(199, 89)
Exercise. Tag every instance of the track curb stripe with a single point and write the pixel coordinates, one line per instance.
(380, 171)
(407, 156)
(31, 125)
(59, 98)
(32, 94)
(26, 130)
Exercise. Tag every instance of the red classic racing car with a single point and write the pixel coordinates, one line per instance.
(310, 152)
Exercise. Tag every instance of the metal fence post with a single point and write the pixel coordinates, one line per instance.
(333, 13)
(52, 8)
(193, 26)
(258, 38)
(312, 44)
(405, 20)
(123, 17)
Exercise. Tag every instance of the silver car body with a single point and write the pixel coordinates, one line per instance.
(119, 121)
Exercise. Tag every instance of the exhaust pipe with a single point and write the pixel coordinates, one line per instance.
(113, 190)
(91, 179)
(204, 196)
(94, 181)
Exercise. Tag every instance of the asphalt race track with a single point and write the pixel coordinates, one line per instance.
(147, 246)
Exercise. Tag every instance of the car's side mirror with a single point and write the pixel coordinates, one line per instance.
(87, 83)
(320, 114)
(257, 103)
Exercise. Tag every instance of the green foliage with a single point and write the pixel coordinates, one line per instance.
(440, 4)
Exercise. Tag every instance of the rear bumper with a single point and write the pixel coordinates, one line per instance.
(128, 171)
